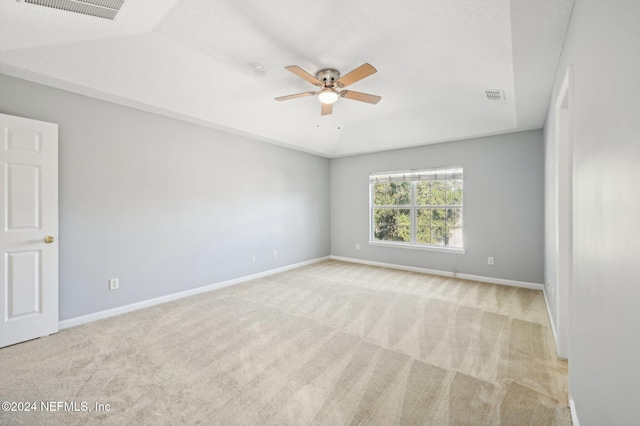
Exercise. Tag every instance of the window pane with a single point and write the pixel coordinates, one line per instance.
(454, 218)
(438, 227)
(454, 227)
(423, 193)
(380, 194)
(400, 193)
(438, 193)
(423, 231)
(454, 192)
(391, 225)
(391, 194)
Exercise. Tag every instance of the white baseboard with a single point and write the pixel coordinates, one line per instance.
(72, 322)
(574, 414)
(489, 280)
(553, 325)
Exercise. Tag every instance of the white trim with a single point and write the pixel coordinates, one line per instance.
(490, 280)
(553, 325)
(563, 133)
(392, 266)
(452, 250)
(500, 281)
(574, 414)
(72, 322)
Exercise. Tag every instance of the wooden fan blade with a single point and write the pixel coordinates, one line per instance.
(303, 74)
(359, 96)
(326, 109)
(364, 70)
(297, 95)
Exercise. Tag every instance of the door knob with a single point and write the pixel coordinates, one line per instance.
(49, 239)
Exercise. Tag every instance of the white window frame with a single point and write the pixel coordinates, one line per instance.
(412, 176)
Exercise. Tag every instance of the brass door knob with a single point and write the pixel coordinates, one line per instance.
(49, 239)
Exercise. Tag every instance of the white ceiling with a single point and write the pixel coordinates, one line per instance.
(193, 60)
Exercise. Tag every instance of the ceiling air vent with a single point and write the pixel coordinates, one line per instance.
(106, 9)
(495, 95)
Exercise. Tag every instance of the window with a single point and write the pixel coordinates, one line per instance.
(417, 209)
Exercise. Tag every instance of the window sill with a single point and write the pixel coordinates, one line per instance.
(453, 250)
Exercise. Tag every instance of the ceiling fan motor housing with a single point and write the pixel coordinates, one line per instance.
(328, 77)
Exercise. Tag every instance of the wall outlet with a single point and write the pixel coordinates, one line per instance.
(490, 261)
(275, 254)
(253, 257)
(357, 246)
(114, 284)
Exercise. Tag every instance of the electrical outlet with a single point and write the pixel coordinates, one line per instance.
(357, 246)
(490, 261)
(253, 257)
(114, 284)
(275, 254)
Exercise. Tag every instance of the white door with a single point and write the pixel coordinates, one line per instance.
(29, 220)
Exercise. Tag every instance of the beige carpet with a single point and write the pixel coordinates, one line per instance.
(328, 344)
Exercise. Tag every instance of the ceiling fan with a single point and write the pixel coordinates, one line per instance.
(329, 80)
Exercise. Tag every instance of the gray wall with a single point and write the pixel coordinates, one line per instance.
(503, 205)
(167, 206)
(604, 316)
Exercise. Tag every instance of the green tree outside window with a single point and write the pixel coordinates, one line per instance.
(424, 210)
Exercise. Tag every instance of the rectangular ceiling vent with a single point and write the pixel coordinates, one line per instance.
(495, 95)
(106, 9)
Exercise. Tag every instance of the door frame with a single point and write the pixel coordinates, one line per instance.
(564, 213)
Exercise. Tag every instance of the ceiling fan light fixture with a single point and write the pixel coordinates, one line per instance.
(328, 96)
